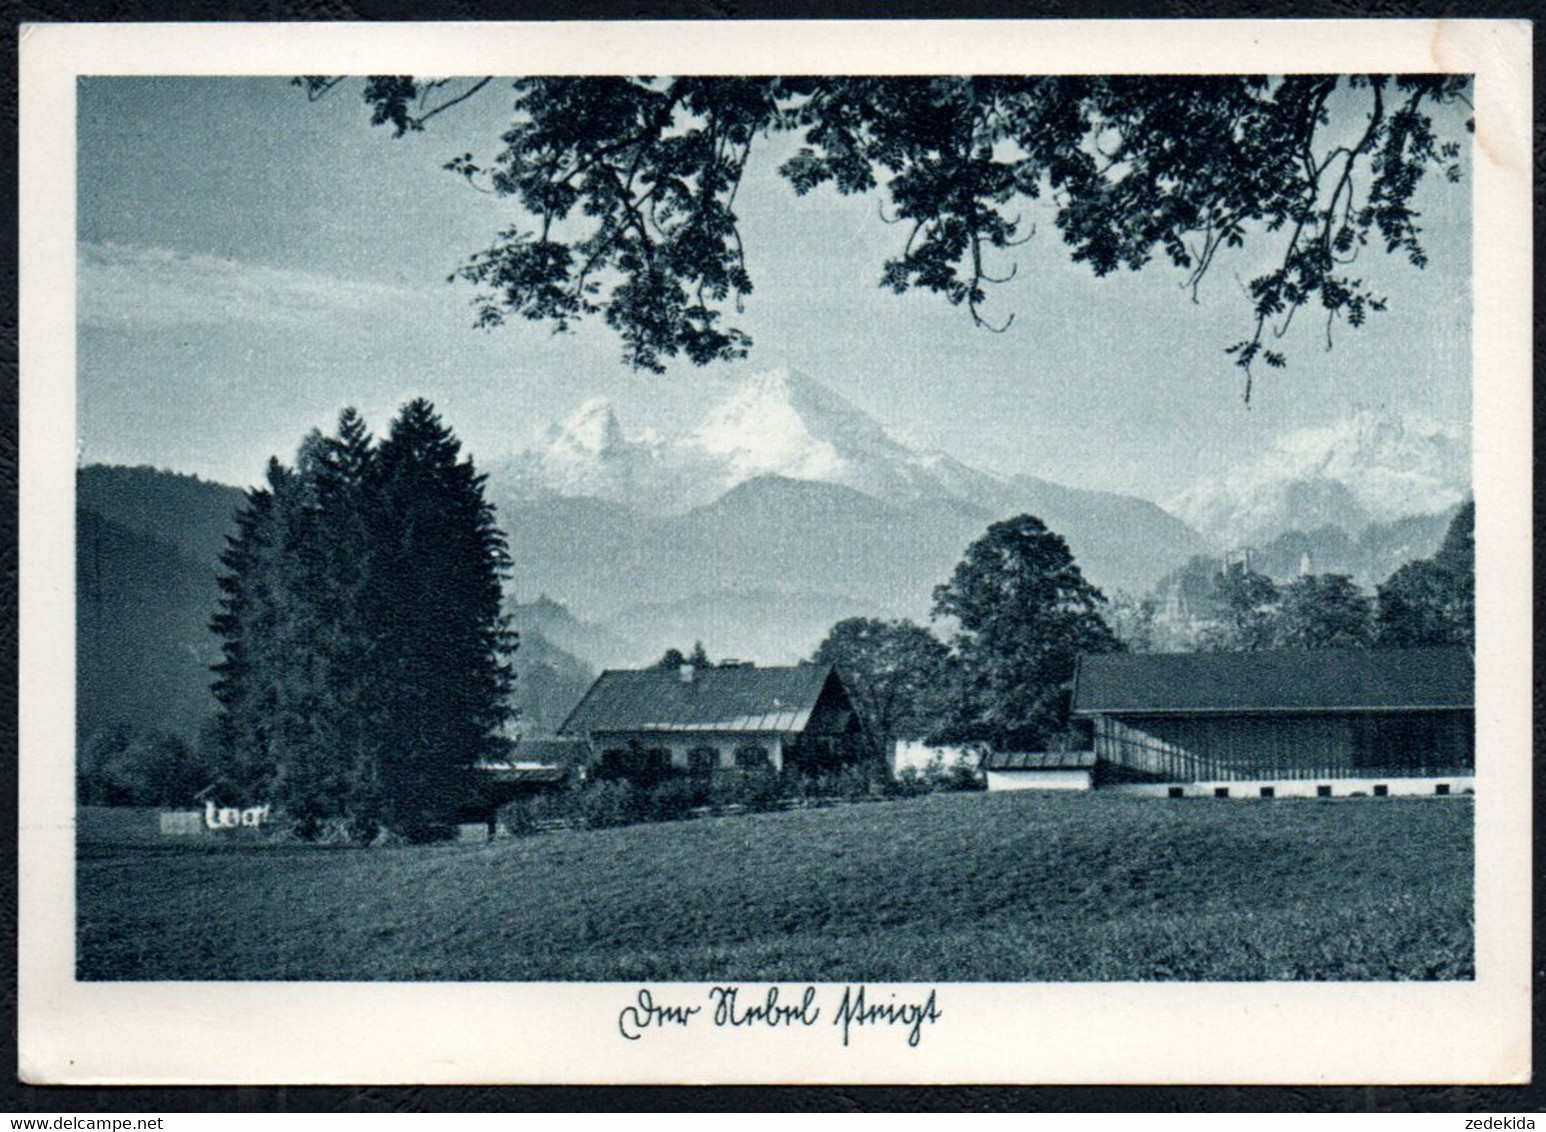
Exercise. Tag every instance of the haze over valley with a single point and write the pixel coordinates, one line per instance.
(783, 511)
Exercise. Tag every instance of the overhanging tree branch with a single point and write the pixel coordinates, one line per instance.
(632, 184)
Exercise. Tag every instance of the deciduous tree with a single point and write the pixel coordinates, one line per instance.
(627, 187)
(1248, 603)
(899, 674)
(1432, 601)
(1025, 613)
(1325, 611)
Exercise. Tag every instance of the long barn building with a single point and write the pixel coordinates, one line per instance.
(1317, 722)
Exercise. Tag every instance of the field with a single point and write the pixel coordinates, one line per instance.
(945, 888)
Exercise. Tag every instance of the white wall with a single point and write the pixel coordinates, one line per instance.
(915, 754)
(1299, 787)
(1039, 780)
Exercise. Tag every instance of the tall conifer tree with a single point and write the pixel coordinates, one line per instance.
(365, 651)
(442, 638)
(241, 727)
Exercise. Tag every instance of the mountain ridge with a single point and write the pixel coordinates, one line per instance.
(776, 458)
(1370, 466)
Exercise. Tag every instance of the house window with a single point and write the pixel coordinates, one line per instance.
(657, 759)
(748, 757)
(702, 760)
(614, 760)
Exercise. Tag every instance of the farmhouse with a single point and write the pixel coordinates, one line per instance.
(1319, 722)
(735, 715)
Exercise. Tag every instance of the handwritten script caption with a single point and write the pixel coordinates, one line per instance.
(733, 1007)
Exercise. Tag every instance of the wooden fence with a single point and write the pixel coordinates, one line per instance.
(1148, 754)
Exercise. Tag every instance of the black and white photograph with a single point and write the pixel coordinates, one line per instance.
(767, 550)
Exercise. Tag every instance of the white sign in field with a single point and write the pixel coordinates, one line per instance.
(231, 817)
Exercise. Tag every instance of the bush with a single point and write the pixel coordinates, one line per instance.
(851, 783)
(119, 767)
(603, 805)
(283, 826)
(959, 775)
(423, 831)
(962, 776)
(676, 798)
(907, 783)
(756, 788)
(519, 817)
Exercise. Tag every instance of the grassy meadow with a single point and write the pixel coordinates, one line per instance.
(943, 888)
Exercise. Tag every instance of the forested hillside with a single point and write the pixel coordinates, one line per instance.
(142, 630)
(148, 550)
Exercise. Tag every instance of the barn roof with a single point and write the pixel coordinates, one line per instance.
(1039, 760)
(742, 698)
(552, 752)
(1424, 679)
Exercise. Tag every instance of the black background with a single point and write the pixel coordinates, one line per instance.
(19, 1098)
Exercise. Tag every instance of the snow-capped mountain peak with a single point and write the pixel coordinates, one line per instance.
(776, 422)
(592, 428)
(588, 454)
(773, 424)
(1370, 465)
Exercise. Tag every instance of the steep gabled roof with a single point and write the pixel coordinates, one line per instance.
(1424, 679)
(717, 699)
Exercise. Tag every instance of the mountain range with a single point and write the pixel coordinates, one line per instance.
(784, 507)
(1372, 466)
(785, 510)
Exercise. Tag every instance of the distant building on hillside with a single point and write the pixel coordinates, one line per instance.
(1328, 721)
(697, 719)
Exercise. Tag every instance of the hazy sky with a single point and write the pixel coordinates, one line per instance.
(250, 263)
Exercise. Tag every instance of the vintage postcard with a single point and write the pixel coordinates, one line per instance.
(773, 552)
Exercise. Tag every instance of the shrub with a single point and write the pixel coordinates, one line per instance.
(676, 798)
(962, 776)
(602, 805)
(907, 783)
(337, 831)
(756, 788)
(364, 830)
(519, 817)
(424, 830)
(286, 826)
(851, 783)
(958, 775)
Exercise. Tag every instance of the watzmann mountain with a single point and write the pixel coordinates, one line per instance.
(786, 504)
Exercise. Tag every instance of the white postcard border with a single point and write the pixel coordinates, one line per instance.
(85, 1033)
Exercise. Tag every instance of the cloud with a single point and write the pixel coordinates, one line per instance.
(125, 286)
